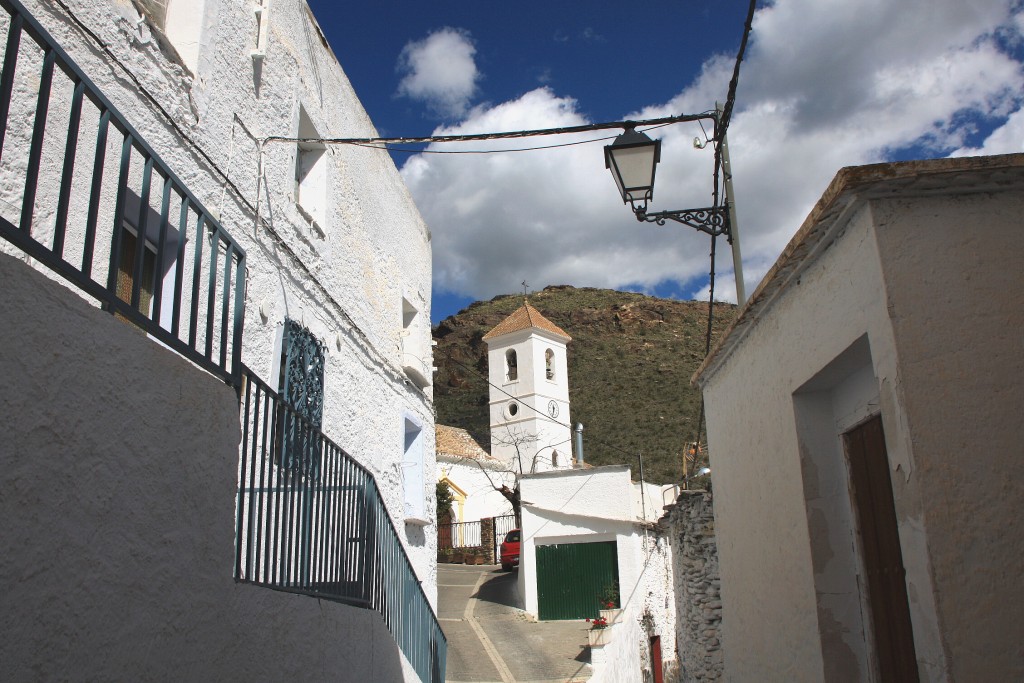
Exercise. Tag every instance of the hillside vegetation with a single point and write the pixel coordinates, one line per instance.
(630, 363)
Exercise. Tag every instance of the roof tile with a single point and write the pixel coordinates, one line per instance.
(458, 442)
(524, 318)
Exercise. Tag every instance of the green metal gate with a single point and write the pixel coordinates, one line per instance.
(571, 576)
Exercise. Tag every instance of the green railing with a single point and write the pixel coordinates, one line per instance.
(96, 205)
(311, 520)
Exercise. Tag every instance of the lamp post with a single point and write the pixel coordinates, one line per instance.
(633, 157)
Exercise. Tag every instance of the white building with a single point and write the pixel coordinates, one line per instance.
(151, 162)
(867, 502)
(473, 476)
(529, 392)
(588, 535)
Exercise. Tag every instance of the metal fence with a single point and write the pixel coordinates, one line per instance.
(459, 535)
(82, 193)
(315, 524)
(502, 525)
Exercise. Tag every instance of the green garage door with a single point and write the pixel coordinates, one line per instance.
(571, 576)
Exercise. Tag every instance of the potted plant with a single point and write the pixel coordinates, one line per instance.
(599, 635)
(458, 557)
(608, 598)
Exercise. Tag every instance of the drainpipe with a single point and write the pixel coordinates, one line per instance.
(579, 444)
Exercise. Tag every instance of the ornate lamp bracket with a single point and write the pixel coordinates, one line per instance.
(713, 220)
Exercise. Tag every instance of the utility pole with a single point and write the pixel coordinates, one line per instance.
(737, 259)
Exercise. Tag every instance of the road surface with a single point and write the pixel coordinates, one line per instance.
(491, 640)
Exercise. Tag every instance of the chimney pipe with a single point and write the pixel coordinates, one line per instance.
(579, 444)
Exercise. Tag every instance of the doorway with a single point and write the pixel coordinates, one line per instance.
(572, 576)
(875, 513)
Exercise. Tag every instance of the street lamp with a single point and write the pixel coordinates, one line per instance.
(633, 157)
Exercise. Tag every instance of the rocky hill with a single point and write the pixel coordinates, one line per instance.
(630, 363)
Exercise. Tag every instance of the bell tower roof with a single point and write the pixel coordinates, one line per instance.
(523, 318)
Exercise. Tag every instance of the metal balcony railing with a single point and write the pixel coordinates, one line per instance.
(311, 520)
(83, 194)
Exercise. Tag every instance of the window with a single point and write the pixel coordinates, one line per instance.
(156, 272)
(302, 389)
(181, 23)
(311, 174)
(549, 364)
(554, 458)
(126, 271)
(417, 359)
(512, 409)
(511, 363)
(412, 473)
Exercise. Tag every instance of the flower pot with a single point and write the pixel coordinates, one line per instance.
(458, 558)
(613, 616)
(599, 637)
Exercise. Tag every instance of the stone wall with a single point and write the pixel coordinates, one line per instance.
(690, 525)
(487, 540)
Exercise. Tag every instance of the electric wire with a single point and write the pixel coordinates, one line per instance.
(720, 133)
(506, 135)
(720, 119)
(403, 150)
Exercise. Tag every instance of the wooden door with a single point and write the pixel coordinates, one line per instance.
(656, 659)
(871, 489)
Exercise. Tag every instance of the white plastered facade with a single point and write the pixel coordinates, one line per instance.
(348, 263)
(891, 301)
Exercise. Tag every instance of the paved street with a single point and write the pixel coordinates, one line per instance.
(490, 640)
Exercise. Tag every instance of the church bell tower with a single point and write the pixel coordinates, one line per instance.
(529, 392)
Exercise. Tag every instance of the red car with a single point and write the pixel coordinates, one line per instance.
(510, 550)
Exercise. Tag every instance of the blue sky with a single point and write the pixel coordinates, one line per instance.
(826, 84)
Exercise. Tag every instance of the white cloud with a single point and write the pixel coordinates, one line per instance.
(440, 71)
(826, 84)
(1007, 139)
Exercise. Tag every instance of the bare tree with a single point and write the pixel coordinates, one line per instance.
(518, 441)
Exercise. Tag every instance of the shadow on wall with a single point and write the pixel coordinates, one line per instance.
(119, 462)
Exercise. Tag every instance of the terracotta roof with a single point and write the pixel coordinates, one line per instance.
(458, 442)
(524, 318)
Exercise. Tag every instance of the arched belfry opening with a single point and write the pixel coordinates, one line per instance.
(511, 365)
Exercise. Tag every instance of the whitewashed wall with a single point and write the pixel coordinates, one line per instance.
(481, 498)
(602, 504)
(344, 278)
(119, 472)
(567, 506)
(898, 307)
